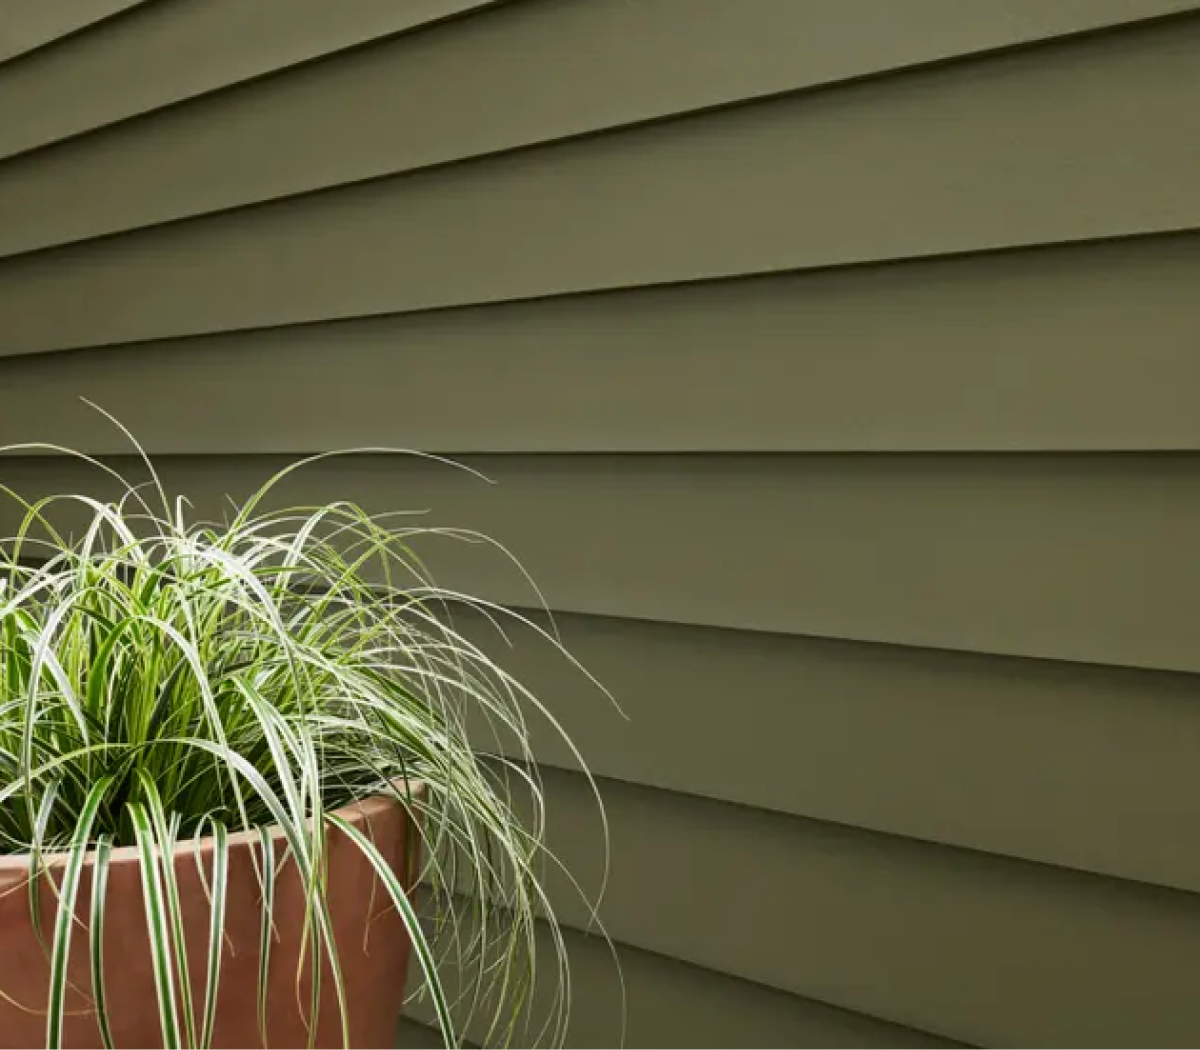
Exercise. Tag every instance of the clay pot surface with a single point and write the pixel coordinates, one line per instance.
(373, 946)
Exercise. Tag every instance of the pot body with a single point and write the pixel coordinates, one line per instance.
(372, 942)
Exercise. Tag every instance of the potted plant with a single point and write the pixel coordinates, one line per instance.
(229, 754)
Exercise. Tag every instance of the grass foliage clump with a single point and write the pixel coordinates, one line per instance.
(163, 679)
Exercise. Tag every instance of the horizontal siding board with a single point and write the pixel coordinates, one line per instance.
(1075, 558)
(973, 156)
(672, 1004)
(1085, 767)
(29, 24)
(175, 49)
(990, 952)
(1080, 348)
(412, 107)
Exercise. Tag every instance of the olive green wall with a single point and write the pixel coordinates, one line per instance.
(837, 363)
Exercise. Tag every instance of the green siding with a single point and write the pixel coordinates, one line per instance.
(1033, 345)
(925, 163)
(168, 51)
(835, 364)
(1052, 556)
(627, 66)
(27, 25)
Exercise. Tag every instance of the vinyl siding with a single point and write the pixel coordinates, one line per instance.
(26, 25)
(833, 365)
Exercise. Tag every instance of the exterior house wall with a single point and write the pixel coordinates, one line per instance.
(836, 361)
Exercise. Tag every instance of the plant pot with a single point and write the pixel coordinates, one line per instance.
(372, 942)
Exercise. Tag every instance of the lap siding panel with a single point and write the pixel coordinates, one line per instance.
(834, 364)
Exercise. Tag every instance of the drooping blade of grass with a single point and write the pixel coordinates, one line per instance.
(266, 931)
(44, 813)
(216, 929)
(396, 891)
(157, 925)
(96, 936)
(310, 943)
(170, 883)
(325, 928)
(61, 950)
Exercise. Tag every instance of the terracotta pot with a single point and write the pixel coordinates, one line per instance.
(373, 947)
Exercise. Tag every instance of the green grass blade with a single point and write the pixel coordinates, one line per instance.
(61, 950)
(420, 945)
(157, 925)
(170, 883)
(34, 885)
(96, 936)
(216, 931)
(267, 927)
(324, 924)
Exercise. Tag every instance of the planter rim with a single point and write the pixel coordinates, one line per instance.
(365, 808)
